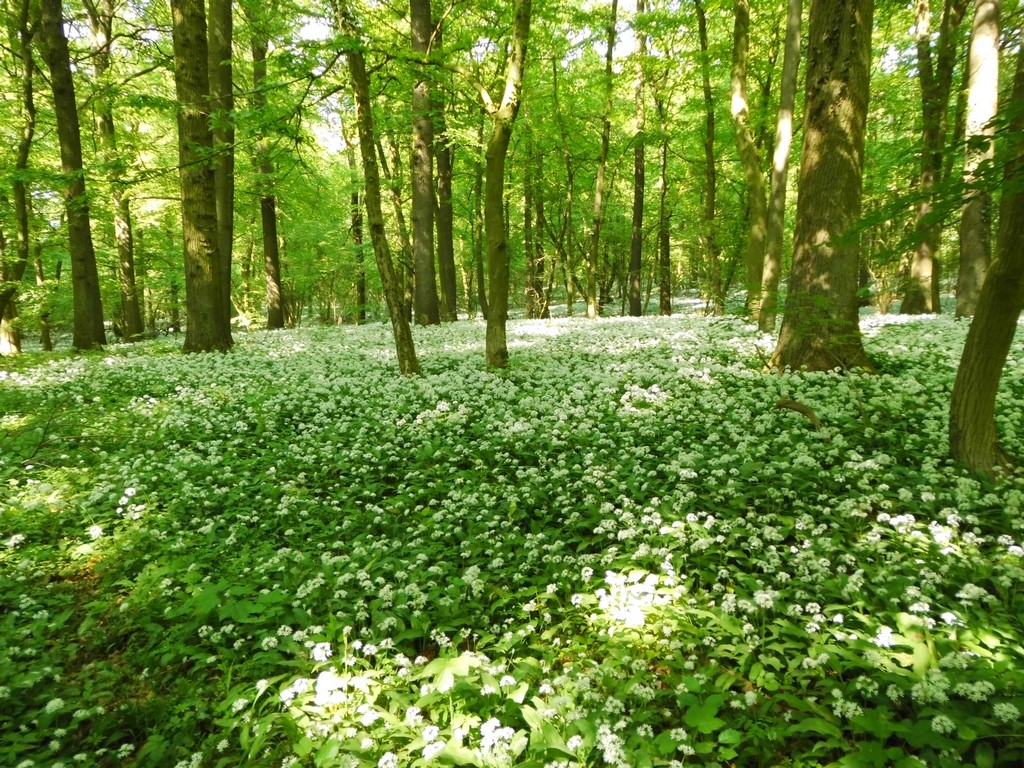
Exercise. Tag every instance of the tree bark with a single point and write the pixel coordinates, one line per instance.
(222, 105)
(268, 200)
(982, 101)
(820, 329)
(750, 159)
(85, 282)
(101, 20)
(972, 427)
(503, 115)
(602, 163)
(208, 328)
(714, 269)
(404, 268)
(780, 171)
(478, 226)
(972, 430)
(639, 171)
(356, 218)
(444, 216)
(936, 77)
(16, 271)
(405, 349)
(427, 311)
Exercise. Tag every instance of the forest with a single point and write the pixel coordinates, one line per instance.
(511, 382)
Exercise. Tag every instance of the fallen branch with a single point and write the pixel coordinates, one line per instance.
(806, 410)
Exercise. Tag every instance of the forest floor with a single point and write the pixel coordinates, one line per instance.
(618, 552)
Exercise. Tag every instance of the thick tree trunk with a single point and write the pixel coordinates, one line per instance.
(208, 327)
(222, 105)
(101, 20)
(639, 171)
(936, 78)
(972, 426)
(982, 101)
(602, 163)
(85, 282)
(749, 157)
(780, 171)
(268, 200)
(820, 329)
(714, 269)
(503, 115)
(406, 351)
(427, 311)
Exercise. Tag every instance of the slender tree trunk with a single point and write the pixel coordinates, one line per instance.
(268, 200)
(478, 224)
(710, 172)
(445, 218)
(8, 289)
(540, 266)
(405, 271)
(503, 115)
(780, 171)
(101, 20)
(45, 340)
(602, 163)
(749, 157)
(406, 351)
(664, 239)
(936, 77)
(639, 170)
(85, 282)
(532, 293)
(972, 426)
(982, 101)
(222, 106)
(427, 309)
(565, 250)
(356, 214)
(208, 327)
(820, 329)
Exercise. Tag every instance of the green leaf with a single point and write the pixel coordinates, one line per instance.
(730, 736)
(815, 725)
(984, 756)
(303, 746)
(327, 753)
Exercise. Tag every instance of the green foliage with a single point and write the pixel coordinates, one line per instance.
(616, 553)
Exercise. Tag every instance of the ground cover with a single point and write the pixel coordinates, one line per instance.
(618, 552)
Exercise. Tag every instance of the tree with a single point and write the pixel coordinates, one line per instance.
(982, 101)
(208, 327)
(85, 281)
(101, 19)
(20, 35)
(749, 157)
(427, 309)
(820, 329)
(502, 115)
(972, 425)
(780, 170)
(710, 173)
(268, 200)
(444, 215)
(222, 105)
(936, 78)
(639, 172)
(406, 350)
(602, 163)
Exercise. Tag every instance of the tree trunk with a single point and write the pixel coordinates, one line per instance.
(222, 105)
(478, 227)
(602, 163)
(664, 240)
(972, 426)
(982, 101)
(780, 171)
(45, 339)
(714, 269)
(85, 282)
(565, 250)
(356, 217)
(636, 244)
(936, 78)
(16, 271)
(820, 329)
(532, 293)
(268, 200)
(101, 20)
(405, 270)
(427, 311)
(751, 161)
(503, 116)
(406, 351)
(207, 328)
(445, 219)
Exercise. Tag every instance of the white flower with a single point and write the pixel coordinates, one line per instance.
(1005, 712)
(430, 733)
(321, 652)
(54, 705)
(432, 749)
(95, 532)
(413, 716)
(388, 760)
(884, 638)
(943, 724)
